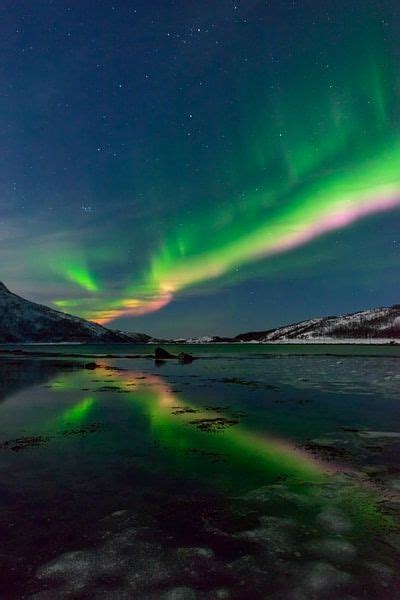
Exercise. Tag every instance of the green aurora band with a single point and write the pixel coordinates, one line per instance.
(317, 161)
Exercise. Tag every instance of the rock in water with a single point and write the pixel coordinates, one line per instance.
(161, 354)
(91, 366)
(184, 358)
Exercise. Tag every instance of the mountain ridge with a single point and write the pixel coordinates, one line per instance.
(372, 324)
(23, 321)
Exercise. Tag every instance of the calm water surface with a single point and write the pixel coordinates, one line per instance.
(253, 472)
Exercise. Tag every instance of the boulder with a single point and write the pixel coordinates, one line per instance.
(184, 358)
(91, 366)
(161, 354)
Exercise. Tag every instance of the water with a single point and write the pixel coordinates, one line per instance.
(211, 350)
(253, 472)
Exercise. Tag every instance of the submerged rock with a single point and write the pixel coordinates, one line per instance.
(376, 435)
(194, 553)
(278, 493)
(384, 574)
(263, 494)
(394, 484)
(375, 470)
(222, 594)
(148, 571)
(104, 593)
(394, 541)
(47, 595)
(337, 550)
(273, 534)
(334, 520)
(180, 593)
(78, 569)
(120, 513)
(324, 577)
(214, 424)
(123, 558)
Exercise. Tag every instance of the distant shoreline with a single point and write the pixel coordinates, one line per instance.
(332, 341)
(205, 351)
(286, 342)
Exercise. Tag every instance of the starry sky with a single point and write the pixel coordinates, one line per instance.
(205, 167)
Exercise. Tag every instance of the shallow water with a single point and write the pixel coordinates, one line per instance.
(240, 475)
(214, 350)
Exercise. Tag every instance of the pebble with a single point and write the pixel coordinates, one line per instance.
(322, 576)
(180, 593)
(379, 434)
(337, 550)
(334, 520)
(375, 469)
(394, 484)
(119, 513)
(194, 552)
(77, 569)
(222, 594)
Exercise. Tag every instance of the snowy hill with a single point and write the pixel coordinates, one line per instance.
(25, 321)
(375, 324)
(206, 339)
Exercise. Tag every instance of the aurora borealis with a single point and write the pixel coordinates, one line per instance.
(202, 168)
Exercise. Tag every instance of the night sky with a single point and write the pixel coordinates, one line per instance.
(200, 167)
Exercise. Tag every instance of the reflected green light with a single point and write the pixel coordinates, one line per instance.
(247, 452)
(77, 413)
(250, 459)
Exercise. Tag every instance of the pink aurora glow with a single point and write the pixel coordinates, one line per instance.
(338, 219)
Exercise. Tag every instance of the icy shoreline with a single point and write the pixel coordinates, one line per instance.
(331, 341)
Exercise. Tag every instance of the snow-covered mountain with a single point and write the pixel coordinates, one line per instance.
(205, 339)
(374, 324)
(25, 321)
(379, 325)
